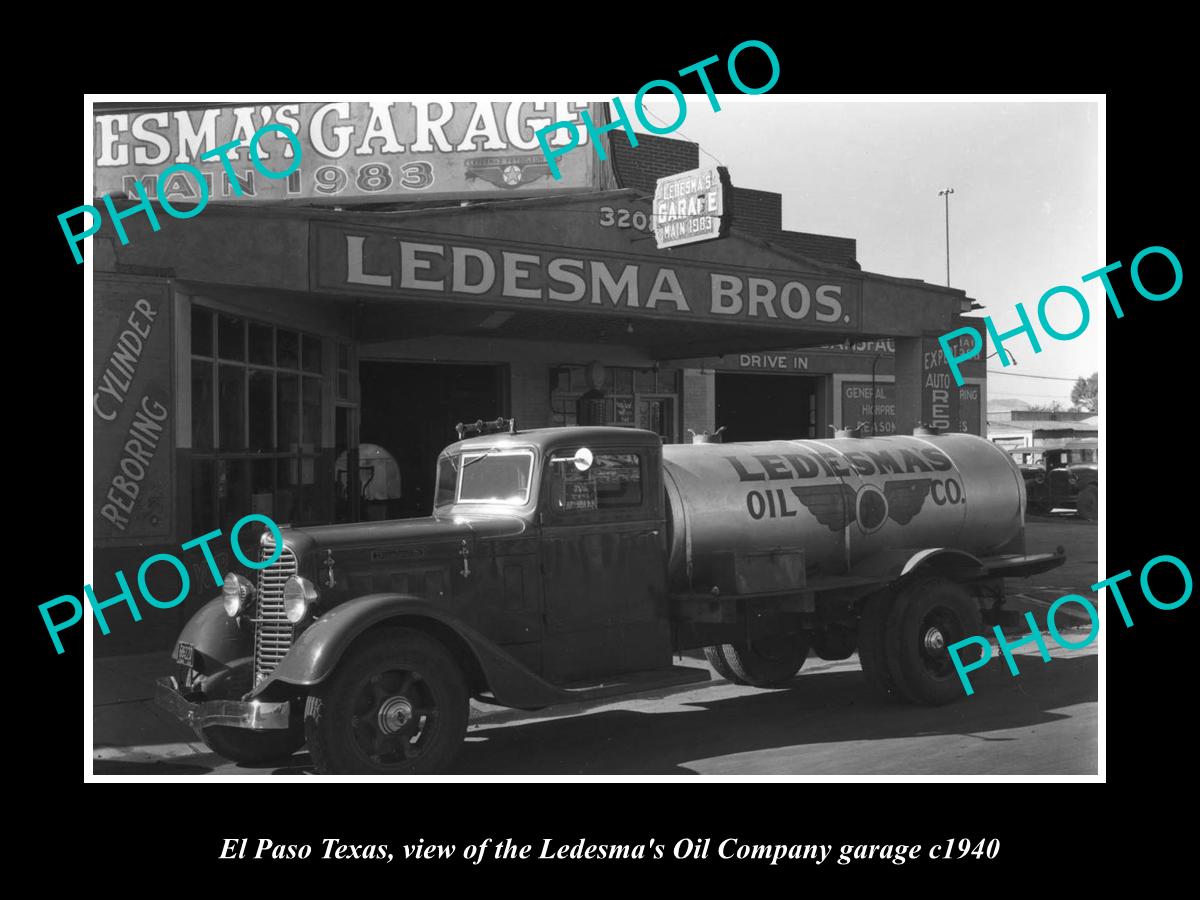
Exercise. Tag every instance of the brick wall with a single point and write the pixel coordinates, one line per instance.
(640, 167)
(824, 248)
(758, 212)
(755, 212)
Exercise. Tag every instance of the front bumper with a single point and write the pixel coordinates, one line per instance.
(256, 715)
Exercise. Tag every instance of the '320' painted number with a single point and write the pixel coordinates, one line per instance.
(624, 218)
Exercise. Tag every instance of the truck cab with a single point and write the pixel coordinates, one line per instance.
(581, 592)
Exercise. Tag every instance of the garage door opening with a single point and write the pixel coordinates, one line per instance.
(767, 407)
(409, 410)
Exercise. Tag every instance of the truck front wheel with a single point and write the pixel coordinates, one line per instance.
(765, 662)
(397, 704)
(927, 617)
(252, 748)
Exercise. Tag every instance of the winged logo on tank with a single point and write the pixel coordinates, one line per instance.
(905, 498)
(837, 505)
(833, 505)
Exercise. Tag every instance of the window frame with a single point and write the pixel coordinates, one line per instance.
(643, 511)
(244, 457)
(490, 452)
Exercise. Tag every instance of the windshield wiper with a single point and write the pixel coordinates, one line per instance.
(484, 455)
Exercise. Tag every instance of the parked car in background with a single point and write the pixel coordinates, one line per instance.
(1065, 477)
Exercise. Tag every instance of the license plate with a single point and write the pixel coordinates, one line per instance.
(183, 653)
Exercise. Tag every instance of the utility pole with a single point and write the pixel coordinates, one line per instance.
(946, 193)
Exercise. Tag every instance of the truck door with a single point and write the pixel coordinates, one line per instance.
(603, 556)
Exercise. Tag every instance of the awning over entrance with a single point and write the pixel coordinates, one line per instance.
(659, 339)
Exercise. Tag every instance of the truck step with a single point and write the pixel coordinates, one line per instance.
(637, 682)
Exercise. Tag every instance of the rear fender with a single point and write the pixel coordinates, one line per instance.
(317, 651)
(892, 565)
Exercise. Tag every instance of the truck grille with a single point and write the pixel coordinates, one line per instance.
(272, 630)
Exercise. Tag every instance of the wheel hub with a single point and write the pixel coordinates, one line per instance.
(934, 640)
(394, 715)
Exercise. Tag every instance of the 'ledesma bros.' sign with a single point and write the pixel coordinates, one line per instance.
(689, 206)
(348, 150)
(361, 260)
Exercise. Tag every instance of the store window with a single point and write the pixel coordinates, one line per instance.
(630, 397)
(257, 413)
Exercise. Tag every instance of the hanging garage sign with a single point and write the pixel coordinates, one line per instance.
(348, 151)
(690, 206)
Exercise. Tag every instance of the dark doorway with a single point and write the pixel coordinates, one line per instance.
(767, 407)
(410, 410)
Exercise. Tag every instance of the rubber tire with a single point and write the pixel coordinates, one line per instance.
(872, 655)
(902, 638)
(750, 666)
(252, 748)
(716, 659)
(834, 642)
(327, 713)
(1088, 503)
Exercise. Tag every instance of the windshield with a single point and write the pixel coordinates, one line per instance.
(484, 476)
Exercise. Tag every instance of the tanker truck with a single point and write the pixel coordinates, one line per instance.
(567, 564)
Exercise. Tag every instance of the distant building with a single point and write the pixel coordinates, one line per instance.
(1040, 427)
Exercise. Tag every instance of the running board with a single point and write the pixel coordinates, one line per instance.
(637, 682)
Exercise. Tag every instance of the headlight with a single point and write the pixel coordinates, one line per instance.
(1072, 479)
(298, 595)
(237, 592)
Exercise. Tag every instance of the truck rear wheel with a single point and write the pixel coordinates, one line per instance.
(928, 616)
(397, 704)
(834, 642)
(765, 662)
(872, 644)
(716, 658)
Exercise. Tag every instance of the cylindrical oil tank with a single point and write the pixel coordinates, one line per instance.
(839, 501)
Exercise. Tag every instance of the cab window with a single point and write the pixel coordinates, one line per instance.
(614, 481)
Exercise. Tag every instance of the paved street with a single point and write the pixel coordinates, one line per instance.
(824, 723)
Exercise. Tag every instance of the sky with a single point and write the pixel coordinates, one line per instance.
(1023, 215)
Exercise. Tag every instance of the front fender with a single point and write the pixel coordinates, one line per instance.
(218, 640)
(316, 652)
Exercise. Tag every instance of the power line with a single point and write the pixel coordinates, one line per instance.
(684, 136)
(1041, 377)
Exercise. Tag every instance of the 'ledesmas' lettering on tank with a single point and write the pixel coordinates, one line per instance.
(836, 504)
